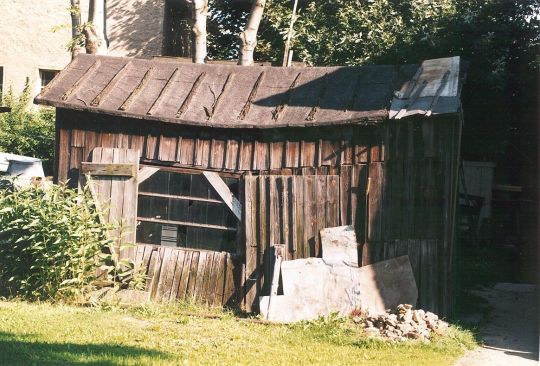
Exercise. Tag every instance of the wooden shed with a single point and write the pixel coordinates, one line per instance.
(217, 163)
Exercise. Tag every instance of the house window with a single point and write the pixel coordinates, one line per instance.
(46, 76)
(181, 209)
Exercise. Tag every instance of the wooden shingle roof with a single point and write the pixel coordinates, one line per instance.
(228, 96)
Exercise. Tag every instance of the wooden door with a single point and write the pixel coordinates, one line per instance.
(286, 210)
(112, 173)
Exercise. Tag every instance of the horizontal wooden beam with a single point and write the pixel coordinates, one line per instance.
(177, 197)
(185, 223)
(109, 169)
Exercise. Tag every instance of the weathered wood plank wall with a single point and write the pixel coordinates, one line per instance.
(411, 204)
(289, 210)
(175, 274)
(411, 166)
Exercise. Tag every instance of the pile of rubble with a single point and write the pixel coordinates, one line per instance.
(404, 324)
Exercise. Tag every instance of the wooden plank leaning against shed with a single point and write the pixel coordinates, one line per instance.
(225, 193)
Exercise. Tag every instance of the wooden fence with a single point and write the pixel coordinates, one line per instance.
(184, 274)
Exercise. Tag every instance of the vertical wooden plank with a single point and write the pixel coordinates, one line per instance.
(246, 155)
(250, 214)
(231, 154)
(263, 226)
(345, 195)
(310, 216)
(184, 278)
(187, 151)
(277, 155)
(159, 254)
(228, 286)
(158, 287)
(285, 215)
(117, 195)
(321, 197)
(152, 146)
(293, 217)
(190, 291)
(167, 148)
(212, 279)
(375, 200)
(177, 275)
(137, 143)
(292, 155)
(332, 199)
(217, 154)
(199, 283)
(221, 275)
(308, 154)
(298, 202)
(166, 276)
(260, 159)
(330, 153)
(128, 219)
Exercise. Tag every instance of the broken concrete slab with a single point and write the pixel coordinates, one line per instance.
(312, 287)
(339, 245)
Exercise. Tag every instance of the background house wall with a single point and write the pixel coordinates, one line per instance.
(28, 43)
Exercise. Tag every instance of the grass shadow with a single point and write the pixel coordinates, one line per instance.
(25, 350)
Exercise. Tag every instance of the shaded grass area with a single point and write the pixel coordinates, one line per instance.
(478, 267)
(47, 334)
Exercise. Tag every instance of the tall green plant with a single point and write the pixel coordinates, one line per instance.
(25, 131)
(51, 242)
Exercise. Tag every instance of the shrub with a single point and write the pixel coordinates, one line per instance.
(25, 131)
(50, 242)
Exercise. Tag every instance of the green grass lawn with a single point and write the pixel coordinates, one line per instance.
(46, 334)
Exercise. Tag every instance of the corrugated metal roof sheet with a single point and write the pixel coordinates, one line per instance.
(434, 89)
(227, 96)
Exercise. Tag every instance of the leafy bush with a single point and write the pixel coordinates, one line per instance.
(50, 242)
(27, 132)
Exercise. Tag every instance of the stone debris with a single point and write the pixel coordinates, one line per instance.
(403, 324)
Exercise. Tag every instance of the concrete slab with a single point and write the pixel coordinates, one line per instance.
(312, 287)
(339, 245)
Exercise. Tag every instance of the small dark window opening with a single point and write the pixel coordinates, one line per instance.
(46, 76)
(181, 209)
(177, 29)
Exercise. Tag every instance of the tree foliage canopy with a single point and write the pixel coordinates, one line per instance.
(499, 38)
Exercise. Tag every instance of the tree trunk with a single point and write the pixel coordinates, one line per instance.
(200, 13)
(75, 26)
(248, 38)
(95, 31)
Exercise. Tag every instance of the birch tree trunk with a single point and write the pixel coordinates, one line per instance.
(199, 15)
(248, 38)
(95, 31)
(75, 27)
